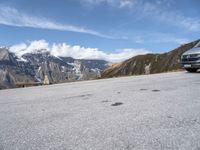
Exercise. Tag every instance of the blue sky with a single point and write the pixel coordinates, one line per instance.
(123, 27)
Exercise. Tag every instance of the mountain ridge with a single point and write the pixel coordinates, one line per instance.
(149, 63)
(41, 66)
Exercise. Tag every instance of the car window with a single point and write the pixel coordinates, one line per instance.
(198, 45)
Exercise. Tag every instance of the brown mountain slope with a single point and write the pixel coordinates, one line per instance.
(149, 63)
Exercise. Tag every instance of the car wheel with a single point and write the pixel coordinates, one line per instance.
(191, 69)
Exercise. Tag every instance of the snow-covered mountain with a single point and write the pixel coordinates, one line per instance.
(41, 67)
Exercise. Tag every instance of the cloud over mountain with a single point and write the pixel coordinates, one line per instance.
(76, 51)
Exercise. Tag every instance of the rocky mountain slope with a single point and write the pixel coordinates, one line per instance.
(41, 67)
(149, 63)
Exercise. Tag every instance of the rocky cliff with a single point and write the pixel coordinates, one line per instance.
(35, 68)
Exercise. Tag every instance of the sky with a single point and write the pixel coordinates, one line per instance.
(113, 30)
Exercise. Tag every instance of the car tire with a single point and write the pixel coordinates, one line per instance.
(191, 69)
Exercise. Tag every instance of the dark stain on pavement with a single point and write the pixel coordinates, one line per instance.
(105, 101)
(84, 96)
(117, 104)
(155, 90)
(169, 116)
(143, 89)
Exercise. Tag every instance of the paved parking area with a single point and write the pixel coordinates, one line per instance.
(149, 112)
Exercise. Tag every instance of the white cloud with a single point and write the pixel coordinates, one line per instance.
(157, 38)
(78, 52)
(179, 20)
(159, 10)
(118, 3)
(181, 40)
(97, 2)
(171, 40)
(31, 47)
(12, 17)
(126, 3)
(139, 39)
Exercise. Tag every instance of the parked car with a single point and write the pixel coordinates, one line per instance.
(190, 60)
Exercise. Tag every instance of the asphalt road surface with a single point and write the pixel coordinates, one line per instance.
(149, 112)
